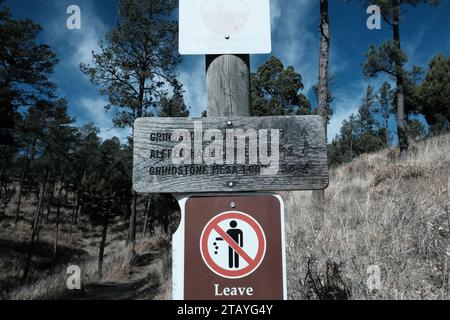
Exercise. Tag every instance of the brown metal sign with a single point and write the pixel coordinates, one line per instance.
(230, 248)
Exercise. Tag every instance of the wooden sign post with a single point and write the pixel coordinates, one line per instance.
(230, 243)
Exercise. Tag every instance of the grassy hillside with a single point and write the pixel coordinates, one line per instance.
(127, 274)
(377, 212)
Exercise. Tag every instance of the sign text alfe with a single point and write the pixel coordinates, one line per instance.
(179, 155)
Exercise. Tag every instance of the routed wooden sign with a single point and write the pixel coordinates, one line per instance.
(236, 154)
(230, 247)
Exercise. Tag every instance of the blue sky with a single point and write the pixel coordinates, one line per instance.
(425, 32)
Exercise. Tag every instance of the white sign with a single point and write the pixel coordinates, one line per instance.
(224, 27)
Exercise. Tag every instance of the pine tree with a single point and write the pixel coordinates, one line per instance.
(164, 206)
(46, 128)
(136, 61)
(105, 184)
(25, 67)
(365, 112)
(435, 94)
(174, 106)
(384, 98)
(276, 90)
(390, 59)
(359, 134)
(348, 137)
(416, 130)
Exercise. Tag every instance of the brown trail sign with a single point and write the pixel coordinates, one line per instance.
(231, 154)
(230, 247)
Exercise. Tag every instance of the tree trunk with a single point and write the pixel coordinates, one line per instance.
(351, 150)
(1, 180)
(151, 225)
(51, 196)
(58, 212)
(387, 132)
(41, 204)
(166, 223)
(318, 195)
(66, 195)
(132, 223)
(324, 62)
(72, 219)
(79, 209)
(79, 201)
(33, 233)
(401, 119)
(3, 198)
(22, 180)
(147, 210)
(102, 244)
(131, 237)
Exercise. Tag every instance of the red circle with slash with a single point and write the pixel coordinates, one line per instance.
(253, 263)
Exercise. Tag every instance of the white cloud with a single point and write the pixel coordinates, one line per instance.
(295, 38)
(77, 45)
(344, 107)
(348, 102)
(88, 43)
(94, 111)
(275, 12)
(86, 40)
(412, 46)
(194, 84)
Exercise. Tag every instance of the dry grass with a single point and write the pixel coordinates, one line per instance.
(79, 246)
(54, 287)
(376, 212)
(118, 266)
(397, 171)
(165, 289)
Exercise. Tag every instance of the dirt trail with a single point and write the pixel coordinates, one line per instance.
(143, 283)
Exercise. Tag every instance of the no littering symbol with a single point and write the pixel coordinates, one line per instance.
(233, 244)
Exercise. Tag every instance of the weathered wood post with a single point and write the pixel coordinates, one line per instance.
(228, 85)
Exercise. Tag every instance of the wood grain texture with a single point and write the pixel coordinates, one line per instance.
(302, 164)
(228, 85)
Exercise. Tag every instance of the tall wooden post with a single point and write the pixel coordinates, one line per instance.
(228, 85)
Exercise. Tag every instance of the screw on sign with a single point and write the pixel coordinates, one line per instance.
(233, 245)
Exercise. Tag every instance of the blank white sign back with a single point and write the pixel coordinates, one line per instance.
(224, 27)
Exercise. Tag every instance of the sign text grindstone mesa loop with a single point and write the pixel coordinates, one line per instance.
(171, 156)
